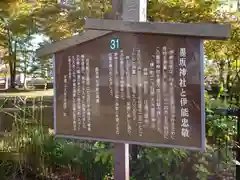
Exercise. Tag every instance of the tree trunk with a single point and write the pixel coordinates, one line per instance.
(6, 80)
(12, 68)
(229, 73)
(12, 76)
(25, 80)
(221, 71)
(12, 61)
(12, 65)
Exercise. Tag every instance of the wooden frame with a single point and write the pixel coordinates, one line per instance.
(204, 31)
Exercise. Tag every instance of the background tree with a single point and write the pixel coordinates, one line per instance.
(226, 55)
(22, 19)
(63, 22)
(16, 23)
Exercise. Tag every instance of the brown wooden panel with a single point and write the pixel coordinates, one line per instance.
(153, 129)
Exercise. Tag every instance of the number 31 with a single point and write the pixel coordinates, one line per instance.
(114, 44)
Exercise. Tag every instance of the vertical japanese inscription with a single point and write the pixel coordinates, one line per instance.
(88, 100)
(79, 105)
(122, 76)
(165, 93)
(116, 91)
(68, 80)
(69, 68)
(65, 92)
(97, 74)
(70, 77)
(152, 92)
(83, 91)
(140, 98)
(134, 87)
(128, 95)
(183, 95)
(145, 93)
(158, 90)
(110, 73)
(74, 94)
(171, 92)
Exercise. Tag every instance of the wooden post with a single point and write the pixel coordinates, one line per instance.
(127, 10)
(121, 161)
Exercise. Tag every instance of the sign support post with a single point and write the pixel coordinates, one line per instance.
(127, 10)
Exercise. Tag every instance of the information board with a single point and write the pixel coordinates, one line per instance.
(133, 88)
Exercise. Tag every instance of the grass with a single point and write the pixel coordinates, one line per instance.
(35, 93)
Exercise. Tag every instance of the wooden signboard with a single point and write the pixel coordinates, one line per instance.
(136, 86)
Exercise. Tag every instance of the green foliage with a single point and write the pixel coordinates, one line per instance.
(62, 23)
(156, 163)
(182, 10)
(32, 149)
(65, 154)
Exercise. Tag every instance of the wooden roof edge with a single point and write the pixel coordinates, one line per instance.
(204, 31)
(100, 27)
(52, 48)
